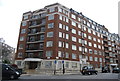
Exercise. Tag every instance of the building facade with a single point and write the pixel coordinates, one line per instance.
(60, 39)
(7, 53)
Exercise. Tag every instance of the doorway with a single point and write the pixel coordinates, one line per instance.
(33, 65)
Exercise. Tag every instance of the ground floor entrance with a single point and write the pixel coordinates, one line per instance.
(33, 65)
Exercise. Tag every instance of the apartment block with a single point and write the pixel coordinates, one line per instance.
(7, 53)
(56, 38)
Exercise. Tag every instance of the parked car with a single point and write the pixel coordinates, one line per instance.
(14, 66)
(116, 70)
(88, 70)
(105, 69)
(9, 73)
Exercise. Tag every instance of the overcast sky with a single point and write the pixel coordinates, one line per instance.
(104, 12)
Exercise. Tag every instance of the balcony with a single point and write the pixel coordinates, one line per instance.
(37, 25)
(105, 45)
(37, 41)
(37, 17)
(107, 55)
(34, 50)
(106, 51)
(37, 33)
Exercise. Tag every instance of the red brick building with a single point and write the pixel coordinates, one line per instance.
(56, 37)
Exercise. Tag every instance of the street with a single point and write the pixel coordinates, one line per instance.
(74, 76)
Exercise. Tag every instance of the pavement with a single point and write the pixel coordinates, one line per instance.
(71, 76)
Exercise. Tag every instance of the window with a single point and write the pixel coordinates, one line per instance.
(73, 16)
(91, 58)
(79, 26)
(85, 35)
(100, 53)
(19, 63)
(67, 45)
(24, 23)
(74, 39)
(94, 39)
(94, 32)
(80, 56)
(25, 17)
(60, 25)
(90, 51)
(22, 38)
(98, 34)
(50, 25)
(59, 44)
(74, 47)
(96, 59)
(95, 45)
(64, 27)
(67, 36)
(60, 34)
(84, 28)
(88, 24)
(67, 20)
(74, 65)
(23, 31)
(42, 29)
(93, 26)
(99, 40)
(67, 64)
(85, 42)
(32, 38)
(80, 48)
(73, 31)
(43, 21)
(90, 44)
(80, 40)
(51, 9)
(85, 49)
(48, 64)
(59, 54)
(49, 44)
(49, 53)
(89, 37)
(60, 10)
(99, 46)
(74, 56)
(41, 37)
(41, 46)
(100, 59)
(66, 55)
(79, 33)
(50, 17)
(89, 30)
(49, 34)
(78, 18)
(21, 46)
(33, 30)
(60, 17)
(73, 23)
(67, 28)
(86, 57)
(95, 52)
(20, 55)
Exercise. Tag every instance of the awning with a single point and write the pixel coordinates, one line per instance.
(113, 64)
(33, 59)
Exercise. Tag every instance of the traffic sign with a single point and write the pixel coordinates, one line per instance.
(55, 61)
(63, 61)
